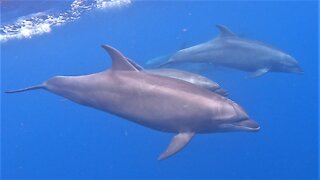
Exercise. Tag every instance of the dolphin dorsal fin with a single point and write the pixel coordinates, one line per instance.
(119, 61)
(224, 31)
(137, 66)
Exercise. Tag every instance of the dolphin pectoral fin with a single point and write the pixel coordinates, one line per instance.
(177, 143)
(259, 72)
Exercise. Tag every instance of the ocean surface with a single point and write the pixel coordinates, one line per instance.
(45, 136)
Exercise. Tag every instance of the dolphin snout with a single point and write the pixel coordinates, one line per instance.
(247, 125)
(241, 125)
(291, 65)
(244, 123)
(298, 70)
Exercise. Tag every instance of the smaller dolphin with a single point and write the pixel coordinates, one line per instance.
(157, 102)
(192, 78)
(231, 51)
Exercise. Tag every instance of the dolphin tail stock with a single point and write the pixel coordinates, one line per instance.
(40, 86)
(158, 61)
(164, 64)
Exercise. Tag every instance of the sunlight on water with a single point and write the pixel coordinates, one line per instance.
(41, 22)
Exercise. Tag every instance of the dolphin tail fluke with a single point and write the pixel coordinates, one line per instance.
(41, 86)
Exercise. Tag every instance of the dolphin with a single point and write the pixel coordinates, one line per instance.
(231, 51)
(157, 102)
(193, 78)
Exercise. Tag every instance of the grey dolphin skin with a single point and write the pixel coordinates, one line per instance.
(193, 78)
(231, 51)
(157, 102)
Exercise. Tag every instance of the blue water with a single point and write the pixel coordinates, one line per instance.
(46, 136)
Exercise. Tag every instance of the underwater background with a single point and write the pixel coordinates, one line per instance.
(45, 136)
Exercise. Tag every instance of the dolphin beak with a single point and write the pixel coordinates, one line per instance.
(246, 125)
(298, 70)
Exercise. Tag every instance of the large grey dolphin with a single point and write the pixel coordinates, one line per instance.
(157, 102)
(193, 78)
(231, 51)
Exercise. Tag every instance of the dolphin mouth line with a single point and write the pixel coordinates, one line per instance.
(246, 127)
